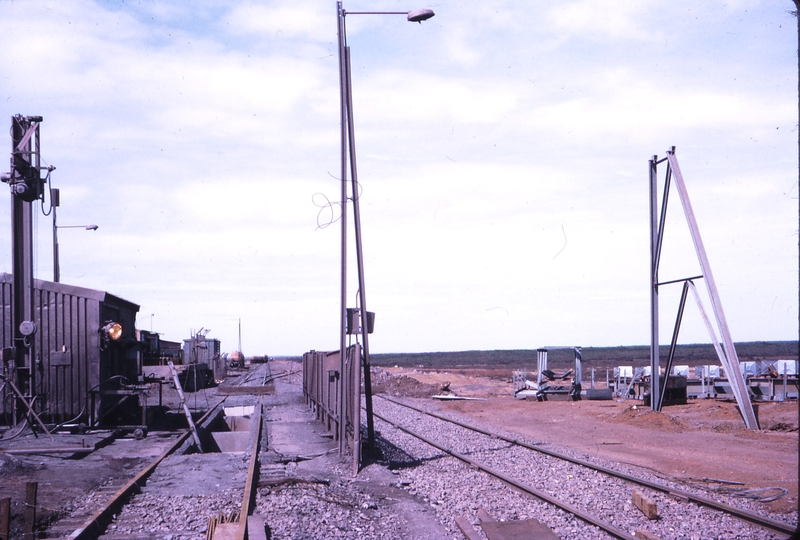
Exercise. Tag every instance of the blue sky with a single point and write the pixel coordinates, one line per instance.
(502, 152)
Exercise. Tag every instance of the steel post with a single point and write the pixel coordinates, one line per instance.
(541, 361)
(22, 152)
(362, 293)
(655, 361)
(343, 279)
(673, 344)
(56, 266)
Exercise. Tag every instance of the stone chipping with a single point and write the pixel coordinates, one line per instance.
(412, 487)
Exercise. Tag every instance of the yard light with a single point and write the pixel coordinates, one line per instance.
(348, 153)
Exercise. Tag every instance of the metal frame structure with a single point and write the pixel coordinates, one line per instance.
(725, 348)
(541, 363)
(577, 376)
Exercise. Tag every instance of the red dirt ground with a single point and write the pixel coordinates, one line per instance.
(702, 443)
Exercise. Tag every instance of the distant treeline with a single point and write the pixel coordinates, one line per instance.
(599, 357)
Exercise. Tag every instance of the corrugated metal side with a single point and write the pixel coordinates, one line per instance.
(321, 392)
(66, 347)
(69, 362)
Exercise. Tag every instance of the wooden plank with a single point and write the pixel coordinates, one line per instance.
(31, 490)
(466, 527)
(256, 528)
(517, 530)
(249, 494)
(514, 530)
(645, 504)
(5, 517)
(484, 517)
(642, 534)
(226, 531)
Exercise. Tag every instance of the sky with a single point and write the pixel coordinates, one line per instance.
(502, 152)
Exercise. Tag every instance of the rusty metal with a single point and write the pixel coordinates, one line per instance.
(186, 411)
(252, 481)
(745, 515)
(331, 393)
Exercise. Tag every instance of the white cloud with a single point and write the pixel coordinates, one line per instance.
(295, 19)
(600, 19)
(502, 154)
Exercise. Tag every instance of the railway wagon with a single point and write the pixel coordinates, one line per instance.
(83, 365)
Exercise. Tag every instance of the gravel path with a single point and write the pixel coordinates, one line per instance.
(454, 489)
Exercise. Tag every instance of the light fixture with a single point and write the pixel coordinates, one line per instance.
(419, 15)
(111, 331)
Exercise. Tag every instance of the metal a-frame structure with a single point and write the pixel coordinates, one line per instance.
(724, 346)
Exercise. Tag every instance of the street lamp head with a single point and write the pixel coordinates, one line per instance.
(91, 227)
(419, 15)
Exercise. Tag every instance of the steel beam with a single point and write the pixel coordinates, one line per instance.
(655, 249)
(734, 373)
(673, 344)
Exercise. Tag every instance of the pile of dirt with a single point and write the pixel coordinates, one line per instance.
(645, 417)
(386, 382)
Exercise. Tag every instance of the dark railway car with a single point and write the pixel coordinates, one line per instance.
(84, 366)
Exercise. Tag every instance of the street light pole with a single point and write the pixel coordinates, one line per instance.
(343, 284)
(348, 147)
(56, 202)
(54, 198)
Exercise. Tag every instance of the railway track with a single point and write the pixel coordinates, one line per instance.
(181, 494)
(598, 495)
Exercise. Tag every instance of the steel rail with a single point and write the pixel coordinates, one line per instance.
(608, 527)
(93, 526)
(740, 513)
(247, 498)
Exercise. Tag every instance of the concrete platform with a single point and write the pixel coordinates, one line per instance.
(294, 436)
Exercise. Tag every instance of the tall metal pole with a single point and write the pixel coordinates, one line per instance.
(655, 360)
(56, 262)
(24, 170)
(343, 284)
(362, 293)
(348, 148)
(797, 16)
